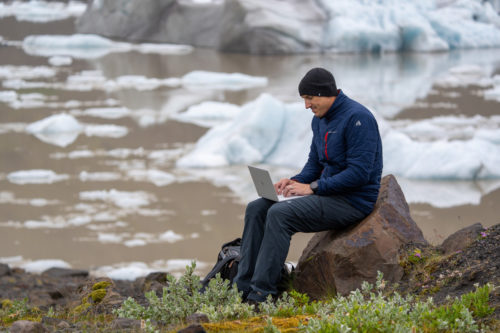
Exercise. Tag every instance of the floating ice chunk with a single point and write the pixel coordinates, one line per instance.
(26, 72)
(445, 194)
(46, 224)
(140, 82)
(226, 81)
(36, 176)
(89, 46)
(262, 132)
(109, 238)
(38, 266)
(8, 96)
(209, 114)
(107, 113)
(60, 61)
(59, 129)
(79, 46)
(157, 177)
(42, 11)
(112, 131)
(121, 199)
(130, 271)
(493, 93)
(135, 242)
(462, 76)
(164, 48)
(170, 236)
(98, 176)
(441, 159)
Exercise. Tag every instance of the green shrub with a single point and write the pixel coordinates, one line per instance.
(182, 298)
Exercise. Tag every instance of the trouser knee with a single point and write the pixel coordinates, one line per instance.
(278, 219)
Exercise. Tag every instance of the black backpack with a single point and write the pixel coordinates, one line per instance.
(227, 265)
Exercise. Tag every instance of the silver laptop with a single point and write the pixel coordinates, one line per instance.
(264, 185)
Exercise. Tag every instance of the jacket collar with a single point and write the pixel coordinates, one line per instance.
(334, 109)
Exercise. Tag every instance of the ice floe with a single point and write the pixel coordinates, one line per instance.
(60, 61)
(224, 81)
(9, 198)
(209, 114)
(58, 129)
(26, 72)
(133, 270)
(38, 266)
(36, 176)
(88, 46)
(123, 199)
(157, 177)
(271, 132)
(357, 26)
(262, 132)
(62, 129)
(40, 11)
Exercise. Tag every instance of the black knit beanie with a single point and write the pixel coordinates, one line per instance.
(318, 82)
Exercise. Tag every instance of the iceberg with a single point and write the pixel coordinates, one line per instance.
(40, 11)
(90, 46)
(59, 129)
(263, 131)
(303, 26)
(226, 81)
(36, 176)
(268, 131)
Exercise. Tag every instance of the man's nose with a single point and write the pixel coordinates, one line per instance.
(308, 104)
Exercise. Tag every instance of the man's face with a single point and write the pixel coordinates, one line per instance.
(319, 105)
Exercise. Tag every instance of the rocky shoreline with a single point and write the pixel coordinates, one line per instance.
(467, 258)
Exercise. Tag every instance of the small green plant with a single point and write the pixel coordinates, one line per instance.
(15, 310)
(182, 298)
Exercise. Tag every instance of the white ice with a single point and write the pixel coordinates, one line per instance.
(62, 129)
(209, 114)
(271, 132)
(60, 61)
(89, 46)
(36, 176)
(388, 25)
(122, 199)
(40, 11)
(227, 81)
(59, 129)
(157, 177)
(261, 132)
(38, 266)
(133, 270)
(170, 236)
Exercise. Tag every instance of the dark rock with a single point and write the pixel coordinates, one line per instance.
(57, 272)
(195, 328)
(4, 269)
(125, 323)
(461, 239)
(152, 282)
(339, 261)
(197, 318)
(26, 326)
(63, 325)
(231, 25)
(49, 321)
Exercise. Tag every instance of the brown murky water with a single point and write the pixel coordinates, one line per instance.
(188, 218)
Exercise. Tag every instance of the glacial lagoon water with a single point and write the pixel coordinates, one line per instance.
(107, 163)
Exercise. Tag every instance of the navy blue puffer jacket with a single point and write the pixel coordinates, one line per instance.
(346, 154)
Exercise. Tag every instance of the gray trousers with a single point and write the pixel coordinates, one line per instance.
(269, 227)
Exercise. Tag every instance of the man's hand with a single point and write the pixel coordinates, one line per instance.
(282, 184)
(294, 188)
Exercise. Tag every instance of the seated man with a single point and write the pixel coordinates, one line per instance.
(342, 176)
